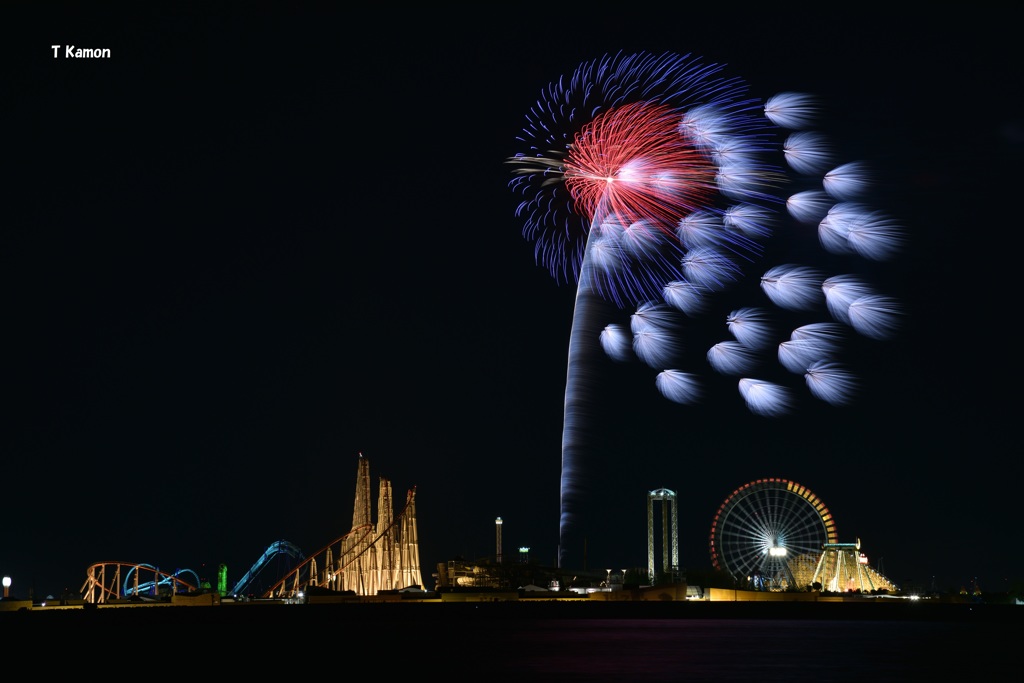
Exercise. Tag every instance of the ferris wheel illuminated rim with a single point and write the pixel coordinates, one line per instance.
(766, 514)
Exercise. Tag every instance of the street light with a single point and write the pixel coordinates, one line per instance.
(7, 586)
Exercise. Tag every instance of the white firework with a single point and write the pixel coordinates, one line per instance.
(853, 228)
(766, 398)
(876, 316)
(700, 229)
(793, 287)
(709, 127)
(679, 387)
(831, 382)
(848, 181)
(655, 339)
(686, 297)
(617, 342)
(718, 245)
(641, 240)
(732, 357)
(749, 220)
(841, 291)
(710, 268)
(797, 355)
(809, 206)
(792, 110)
(750, 326)
(808, 152)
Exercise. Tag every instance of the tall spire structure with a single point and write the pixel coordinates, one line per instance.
(497, 531)
(409, 544)
(361, 513)
(373, 556)
(381, 555)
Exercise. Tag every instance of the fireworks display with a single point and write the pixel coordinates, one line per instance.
(657, 182)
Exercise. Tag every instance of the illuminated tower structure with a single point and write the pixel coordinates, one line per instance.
(409, 544)
(497, 531)
(669, 534)
(382, 555)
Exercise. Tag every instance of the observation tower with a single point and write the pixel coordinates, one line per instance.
(669, 534)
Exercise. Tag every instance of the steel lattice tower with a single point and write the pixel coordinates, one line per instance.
(669, 533)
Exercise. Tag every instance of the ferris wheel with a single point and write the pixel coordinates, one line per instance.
(767, 531)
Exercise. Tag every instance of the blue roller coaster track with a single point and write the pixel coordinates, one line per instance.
(280, 556)
(153, 588)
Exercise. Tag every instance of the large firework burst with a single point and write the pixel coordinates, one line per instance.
(656, 182)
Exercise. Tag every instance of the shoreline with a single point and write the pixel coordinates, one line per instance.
(269, 614)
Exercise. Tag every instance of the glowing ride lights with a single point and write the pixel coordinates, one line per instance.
(7, 586)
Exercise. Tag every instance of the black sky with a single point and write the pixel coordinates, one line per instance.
(255, 243)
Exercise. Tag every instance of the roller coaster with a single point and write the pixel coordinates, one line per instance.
(371, 557)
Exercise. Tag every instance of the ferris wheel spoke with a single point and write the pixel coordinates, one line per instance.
(808, 536)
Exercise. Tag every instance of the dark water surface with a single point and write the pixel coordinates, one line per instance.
(747, 649)
(512, 642)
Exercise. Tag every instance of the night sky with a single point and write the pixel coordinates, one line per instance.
(252, 245)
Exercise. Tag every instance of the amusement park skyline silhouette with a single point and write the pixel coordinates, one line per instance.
(242, 251)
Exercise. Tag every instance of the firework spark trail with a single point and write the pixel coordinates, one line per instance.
(651, 181)
(634, 161)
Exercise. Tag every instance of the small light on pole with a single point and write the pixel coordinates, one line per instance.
(7, 586)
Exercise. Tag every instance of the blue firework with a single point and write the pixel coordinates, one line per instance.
(656, 182)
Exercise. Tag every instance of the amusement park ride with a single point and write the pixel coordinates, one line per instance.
(371, 557)
(768, 535)
(775, 534)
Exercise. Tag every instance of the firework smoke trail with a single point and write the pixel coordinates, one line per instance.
(654, 181)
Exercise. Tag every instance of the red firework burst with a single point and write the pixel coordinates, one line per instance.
(633, 163)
